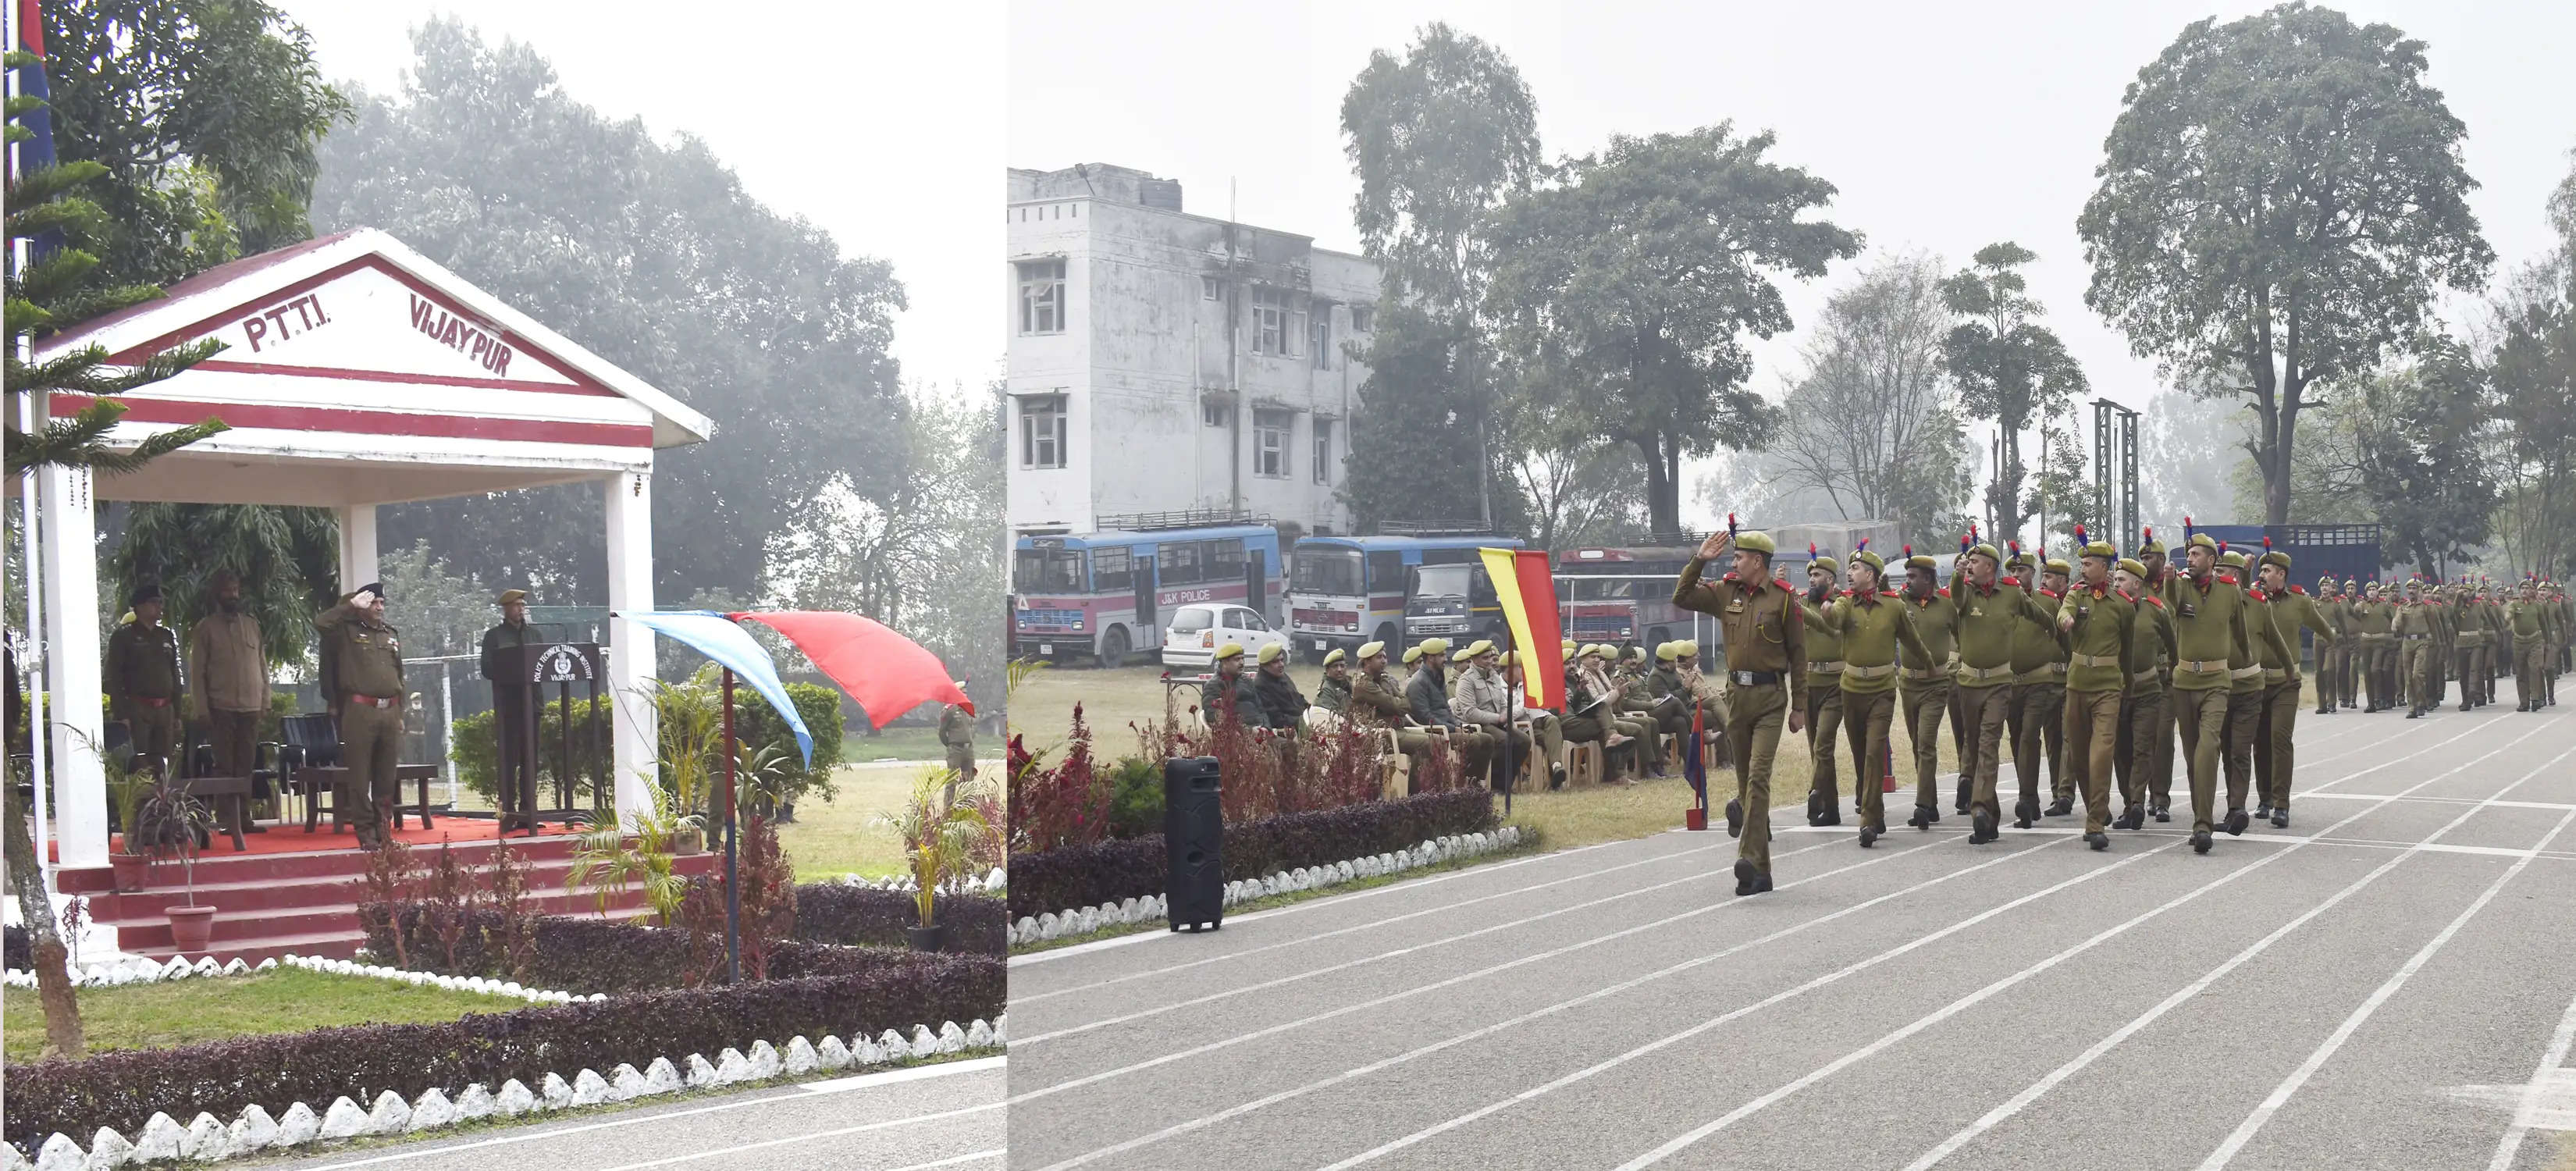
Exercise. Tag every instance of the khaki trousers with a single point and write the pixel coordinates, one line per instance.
(2092, 723)
(370, 740)
(155, 731)
(1927, 705)
(2040, 738)
(2417, 665)
(1983, 710)
(2143, 712)
(1753, 718)
(1865, 719)
(2244, 718)
(2201, 717)
(1824, 720)
(2272, 741)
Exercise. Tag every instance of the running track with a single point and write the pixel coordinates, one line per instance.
(2390, 983)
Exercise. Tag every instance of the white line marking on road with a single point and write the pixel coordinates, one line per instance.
(2391, 762)
(908, 1074)
(2280, 1095)
(2553, 1067)
(1023, 1001)
(1507, 965)
(1389, 954)
(2555, 806)
(1997, 988)
(658, 1116)
(2040, 1088)
(1489, 1030)
(975, 1157)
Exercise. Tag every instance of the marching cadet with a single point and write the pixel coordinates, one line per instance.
(1377, 702)
(142, 683)
(2099, 625)
(1824, 704)
(2037, 687)
(2528, 619)
(2348, 688)
(362, 681)
(2468, 648)
(2245, 687)
(1334, 693)
(1766, 645)
(2331, 656)
(1923, 679)
(2143, 707)
(1870, 627)
(1986, 613)
(2375, 625)
(2291, 608)
(2043, 689)
(2209, 616)
(2416, 629)
(1228, 691)
(2160, 755)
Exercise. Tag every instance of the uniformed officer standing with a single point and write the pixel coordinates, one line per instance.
(1824, 703)
(514, 713)
(2291, 608)
(228, 684)
(2160, 754)
(1923, 679)
(2143, 706)
(1766, 645)
(1986, 613)
(2528, 619)
(957, 738)
(2209, 633)
(2416, 629)
(2246, 686)
(1870, 627)
(2043, 687)
(2331, 657)
(2348, 686)
(2469, 648)
(2099, 625)
(362, 680)
(2375, 625)
(142, 682)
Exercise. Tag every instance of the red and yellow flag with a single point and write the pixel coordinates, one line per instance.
(1527, 591)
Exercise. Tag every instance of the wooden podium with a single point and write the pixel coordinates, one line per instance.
(519, 680)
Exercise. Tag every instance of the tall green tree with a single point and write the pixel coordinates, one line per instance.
(2531, 365)
(288, 560)
(1437, 139)
(1873, 422)
(206, 115)
(2281, 196)
(1626, 288)
(2422, 461)
(655, 258)
(2010, 369)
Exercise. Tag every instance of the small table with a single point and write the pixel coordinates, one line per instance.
(338, 775)
(229, 794)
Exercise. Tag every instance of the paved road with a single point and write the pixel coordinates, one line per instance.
(2386, 984)
(947, 1115)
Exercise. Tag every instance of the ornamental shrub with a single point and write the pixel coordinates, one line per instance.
(859, 916)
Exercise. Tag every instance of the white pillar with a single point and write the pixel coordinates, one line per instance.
(72, 667)
(636, 738)
(357, 545)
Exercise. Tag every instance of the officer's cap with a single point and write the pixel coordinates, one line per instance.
(2277, 557)
(1596, 651)
(1232, 650)
(1981, 549)
(509, 596)
(1412, 655)
(1687, 648)
(1753, 542)
(1272, 652)
(2057, 565)
(1335, 657)
(1667, 652)
(2135, 567)
(1434, 646)
(1876, 563)
(1826, 562)
(2232, 559)
(1371, 650)
(147, 592)
(2203, 540)
(1479, 647)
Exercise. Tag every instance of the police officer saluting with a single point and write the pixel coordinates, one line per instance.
(362, 681)
(2209, 616)
(1766, 652)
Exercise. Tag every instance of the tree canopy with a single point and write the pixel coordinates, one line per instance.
(1873, 423)
(2281, 196)
(2009, 368)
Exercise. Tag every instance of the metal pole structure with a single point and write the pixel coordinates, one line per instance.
(2102, 468)
(446, 733)
(733, 889)
(2129, 471)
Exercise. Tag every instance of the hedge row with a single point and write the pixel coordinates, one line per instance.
(859, 916)
(1111, 871)
(123, 1089)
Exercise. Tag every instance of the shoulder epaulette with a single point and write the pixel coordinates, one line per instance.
(1943, 591)
(1730, 576)
(1785, 587)
(2158, 603)
(2257, 594)
(2050, 596)
(2010, 581)
(2226, 580)
(2298, 589)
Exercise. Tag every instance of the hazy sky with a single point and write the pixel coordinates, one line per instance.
(880, 122)
(1946, 127)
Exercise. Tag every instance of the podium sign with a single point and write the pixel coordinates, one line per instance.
(520, 676)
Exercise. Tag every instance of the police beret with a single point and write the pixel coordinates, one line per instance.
(2056, 565)
(1826, 561)
(148, 592)
(2277, 557)
(1434, 646)
(1876, 563)
(2136, 568)
(509, 596)
(1596, 651)
(2203, 540)
(1753, 542)
(1481, 646)
(1667, 652)
(1232, 650)
(2232, 558)
(1272, 652)
(1986, 551)
(1687, 648)
(1412, 655)
(1334, 657)
(1371, 650)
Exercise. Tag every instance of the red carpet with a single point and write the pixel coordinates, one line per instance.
(291, 839)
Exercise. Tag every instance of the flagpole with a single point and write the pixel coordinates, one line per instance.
(733, 889)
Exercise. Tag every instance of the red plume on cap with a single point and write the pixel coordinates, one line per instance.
(1730, 524)
(1909, 549)
(2186, 528)
(1811, 550)
(1862, 547)
(2013, 547)
(2079, 532)
(2267, 542)
(2151, 532)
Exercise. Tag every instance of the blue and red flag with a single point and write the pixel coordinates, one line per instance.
(37, 151)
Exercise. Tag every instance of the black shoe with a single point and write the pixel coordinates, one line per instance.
(1960, 807)
(1744, 874)
(1816, 807)
(1871, 833)
(2464, 705)
(2200, 842)
(1982, 829)
(1734, 819)
(2163, 813)
(2131, 818)
(2281, 818)
(2263, 811)
(2236, 822)
(1924, 817)
(1761, 883)
(2025, 814)
(2063, 806)
(2098, 840)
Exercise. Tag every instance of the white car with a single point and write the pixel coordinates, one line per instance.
(1196, 630)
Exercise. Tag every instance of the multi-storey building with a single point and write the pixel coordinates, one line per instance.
(1162, 361)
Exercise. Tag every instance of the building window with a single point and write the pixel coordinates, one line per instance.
(1207, 288)
(1216, 414)
(1112, 570)
(1363, 318)
(1269, 321)
(1270, 442)
(1323, 451)
(1042, 431)
(1042, 296)
(1319, 337)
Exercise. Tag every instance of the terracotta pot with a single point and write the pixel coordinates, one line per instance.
(925, 938)
(191, 928)
(133, 871)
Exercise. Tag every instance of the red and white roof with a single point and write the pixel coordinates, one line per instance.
(358, 371)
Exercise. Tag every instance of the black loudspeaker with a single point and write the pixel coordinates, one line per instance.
(1194, 831)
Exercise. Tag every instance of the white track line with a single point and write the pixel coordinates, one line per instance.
(2040, 1088)
(2391, 762)
(2280, 1095)
(1597, 994)
(2551, 1060)
(1505, 966)
(1023, 1001)
(1392, 953)
(951, 1161)
(1990, 991)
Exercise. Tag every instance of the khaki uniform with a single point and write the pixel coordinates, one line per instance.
(1983, 624)
(228, 688)
(142, 682)
(2331, 658)
(2038, 704)
(2246, 695)
(1766, 653)
(1923, 689)
(1375, 704)
(2209, 617)
(1871, 629)
(2375, 645)
(362, 680)
(2098, 649)
(957, 736)
(2469, 650)
(2146, 714)
(2528, 623)
(2417, 627)
(2278, 755)
(1824, 709)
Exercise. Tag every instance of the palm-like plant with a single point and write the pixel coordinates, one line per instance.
(689, 728)
(610, 864)
(940, 838)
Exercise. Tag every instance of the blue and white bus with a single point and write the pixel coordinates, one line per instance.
(1106, 594)
(1345, 591)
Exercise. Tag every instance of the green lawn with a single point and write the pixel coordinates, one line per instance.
(285, 1000)
(829, 839)
(857, 747)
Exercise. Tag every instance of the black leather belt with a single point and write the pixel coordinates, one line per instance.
(1754, 678)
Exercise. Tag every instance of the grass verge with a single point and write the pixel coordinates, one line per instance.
(284, 1000)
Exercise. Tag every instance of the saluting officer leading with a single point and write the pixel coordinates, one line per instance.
(362, 681)
(1766, 650)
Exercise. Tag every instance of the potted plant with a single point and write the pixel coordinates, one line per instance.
(940, 840)
(128, 789)
(169, 823)
(610, 863)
